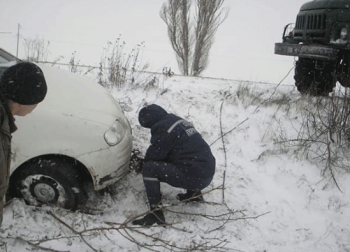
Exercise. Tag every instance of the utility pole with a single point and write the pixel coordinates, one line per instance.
(17, 38)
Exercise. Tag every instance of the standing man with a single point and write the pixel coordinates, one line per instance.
(22, 87)
(178, 156)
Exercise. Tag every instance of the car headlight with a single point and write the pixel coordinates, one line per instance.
(114, 134)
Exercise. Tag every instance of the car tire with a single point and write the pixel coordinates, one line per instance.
(50, 182)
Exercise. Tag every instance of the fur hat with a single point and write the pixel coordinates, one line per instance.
(24, 83)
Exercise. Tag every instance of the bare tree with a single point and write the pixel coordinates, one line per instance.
(176, 16)
(210, 16)
(192, 40)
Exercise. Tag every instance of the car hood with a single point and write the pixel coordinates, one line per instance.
(73, 95)
(326, 4)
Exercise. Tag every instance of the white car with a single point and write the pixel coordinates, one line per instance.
(78, 133)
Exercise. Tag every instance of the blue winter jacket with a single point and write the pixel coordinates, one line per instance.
(176, 141)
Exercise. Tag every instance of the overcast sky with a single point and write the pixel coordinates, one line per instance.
(243, 48)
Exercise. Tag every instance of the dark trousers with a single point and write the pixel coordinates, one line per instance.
(155, 172)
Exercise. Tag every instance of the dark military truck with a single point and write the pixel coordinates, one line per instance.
(320, 38)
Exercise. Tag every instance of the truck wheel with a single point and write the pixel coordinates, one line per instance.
(312, 81)
(343, 70)
(48, 182)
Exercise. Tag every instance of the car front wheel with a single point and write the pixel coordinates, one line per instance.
(50, 182)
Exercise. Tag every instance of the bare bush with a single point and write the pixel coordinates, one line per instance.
(36, 50)
(73, 63)
(75, 66)
(116, 67)
(121, 67)
(323, 135)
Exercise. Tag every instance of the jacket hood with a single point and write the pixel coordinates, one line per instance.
(150, 115)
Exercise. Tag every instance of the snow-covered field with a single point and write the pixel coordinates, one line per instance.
(261, 199)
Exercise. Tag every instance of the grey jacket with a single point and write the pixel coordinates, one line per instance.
(6, 128)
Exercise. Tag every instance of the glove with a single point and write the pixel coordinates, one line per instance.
(136, 162)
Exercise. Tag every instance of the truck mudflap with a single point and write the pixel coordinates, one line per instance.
(307, 51)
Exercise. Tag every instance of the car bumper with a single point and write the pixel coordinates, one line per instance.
(307, 51)
(107, 166)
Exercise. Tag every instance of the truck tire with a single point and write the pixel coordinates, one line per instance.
(343, 70)
(312, 81)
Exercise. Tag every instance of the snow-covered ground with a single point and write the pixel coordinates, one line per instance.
(261, 198)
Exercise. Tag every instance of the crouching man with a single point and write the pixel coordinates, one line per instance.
(178, 156)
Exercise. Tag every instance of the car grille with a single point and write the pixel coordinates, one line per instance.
(311, 26)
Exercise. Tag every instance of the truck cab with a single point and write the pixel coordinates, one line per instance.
(320, 39)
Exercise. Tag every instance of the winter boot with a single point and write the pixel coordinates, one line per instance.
(154, 217)
(191, 196)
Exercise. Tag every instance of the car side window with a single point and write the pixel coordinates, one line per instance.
(2, 70)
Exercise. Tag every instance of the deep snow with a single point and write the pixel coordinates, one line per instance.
(275, 201)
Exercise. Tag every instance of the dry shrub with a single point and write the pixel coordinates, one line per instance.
(322, 132)
(118, 67)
